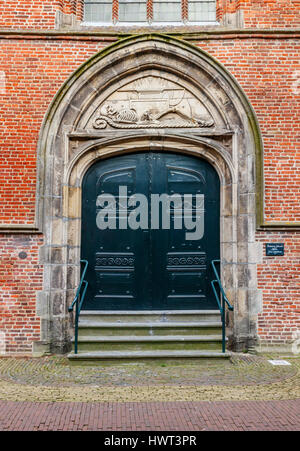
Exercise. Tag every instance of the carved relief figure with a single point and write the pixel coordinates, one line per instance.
(152, 102)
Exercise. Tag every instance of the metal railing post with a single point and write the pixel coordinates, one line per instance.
(223, 326)
(76, 327)
(78, 302)
(221, 302)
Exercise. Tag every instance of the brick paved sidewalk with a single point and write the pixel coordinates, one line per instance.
(247, 393)
(152, 416)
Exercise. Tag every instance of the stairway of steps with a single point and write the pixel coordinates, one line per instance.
(148, 335)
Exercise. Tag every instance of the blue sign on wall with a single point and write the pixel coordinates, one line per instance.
(274, 249)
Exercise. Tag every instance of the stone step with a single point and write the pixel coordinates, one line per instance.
(140, 343)
(98, 357)
(90, 328)
(148, 335)
(149, 315)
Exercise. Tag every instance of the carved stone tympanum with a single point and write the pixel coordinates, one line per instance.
(152, 102)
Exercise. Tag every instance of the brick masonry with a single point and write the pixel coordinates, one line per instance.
(279, 278)
(154, 416)
(32, 70)
(29, 14)
(20, 278)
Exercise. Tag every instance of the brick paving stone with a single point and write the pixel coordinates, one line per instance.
(153, 416)
(246, 394)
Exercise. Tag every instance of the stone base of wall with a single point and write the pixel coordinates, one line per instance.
(279, 348)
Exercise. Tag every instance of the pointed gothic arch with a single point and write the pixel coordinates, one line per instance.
(143, 93)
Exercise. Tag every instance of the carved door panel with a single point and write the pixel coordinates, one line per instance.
(181, 257)
(118, 258)
(160, 266)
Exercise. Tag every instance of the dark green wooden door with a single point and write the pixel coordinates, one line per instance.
(164, 265)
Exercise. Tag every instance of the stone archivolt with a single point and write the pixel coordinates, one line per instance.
(123, 88)
(152, 102)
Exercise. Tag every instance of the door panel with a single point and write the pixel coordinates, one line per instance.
(152, 268)
(118, 259)
(175, 256)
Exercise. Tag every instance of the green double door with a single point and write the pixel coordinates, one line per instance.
(152, 251)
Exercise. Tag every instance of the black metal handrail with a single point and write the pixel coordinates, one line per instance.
(78, 301)
(221, 302)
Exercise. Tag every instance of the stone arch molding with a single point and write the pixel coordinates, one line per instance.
(142, 94)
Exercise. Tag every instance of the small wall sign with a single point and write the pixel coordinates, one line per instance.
(274, 249)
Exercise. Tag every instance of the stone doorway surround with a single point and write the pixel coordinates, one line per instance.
(148, 93)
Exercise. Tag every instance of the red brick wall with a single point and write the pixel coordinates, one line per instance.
(34, 69)
(265, 68)
(271, 13)
(279, 280)
(263, 13)
(269, 72)
(28, 13)
(20, 278)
